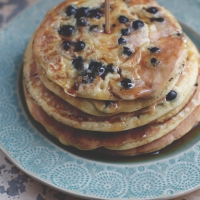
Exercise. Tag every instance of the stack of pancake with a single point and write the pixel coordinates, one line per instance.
(132, 91)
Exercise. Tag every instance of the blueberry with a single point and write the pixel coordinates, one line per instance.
(93, 65)
(152, 10)
(95, 13)
(126, 83)
(66, 30)
(125, 31)
(78, 63)
(82, 12)
(154, 49)
(79, 46)
(97, 67)
(82, 21)
(178, 34)
(87, 77)
(71, 10)
(66, 45)
(159, 19)
(127, 52)
(121, 41)
(154, 62)
(171, 96)
(110, 68)
(137, 24)
(94, 28)
(101, 71)
(123, 19)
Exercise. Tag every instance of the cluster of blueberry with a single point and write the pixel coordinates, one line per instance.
(137, 24)
(81, 14)
(154, 10)
(79, 46)
(152, 50)
(172, 94)
(125, 32)
(97, 68)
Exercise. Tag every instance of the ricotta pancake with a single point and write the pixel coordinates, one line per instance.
(103, 108)
(70, 115)
(100, 107)
(134, 90)
(131, 62)
(183, 128)
(131, 140)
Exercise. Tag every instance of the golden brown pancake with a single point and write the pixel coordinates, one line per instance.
(131, 91)
(183, 128)
(70, 115)
(75, 52)
(97, 107)
(87, 140)
(100, 107)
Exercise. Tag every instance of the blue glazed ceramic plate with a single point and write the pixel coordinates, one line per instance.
(169, 173)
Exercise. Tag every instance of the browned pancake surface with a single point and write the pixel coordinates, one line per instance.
(91, 140)
(67, 114)
(182, 129)
(138, 71)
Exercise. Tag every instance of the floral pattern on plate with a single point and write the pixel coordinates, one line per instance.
(160, 178)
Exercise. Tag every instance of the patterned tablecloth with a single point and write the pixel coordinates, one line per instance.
(14, 184)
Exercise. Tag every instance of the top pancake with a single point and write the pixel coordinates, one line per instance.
(105, 69)
(103, 108)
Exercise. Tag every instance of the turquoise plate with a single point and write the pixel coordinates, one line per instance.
(172, 172)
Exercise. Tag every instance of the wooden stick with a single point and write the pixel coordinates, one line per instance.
(107, 3)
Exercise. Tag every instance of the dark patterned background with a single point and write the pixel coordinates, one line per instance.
(10, 8)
